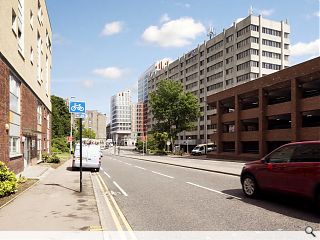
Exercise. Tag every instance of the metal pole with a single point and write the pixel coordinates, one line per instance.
(146, 142)
(187, 146)
(71, 134)
(80, 119)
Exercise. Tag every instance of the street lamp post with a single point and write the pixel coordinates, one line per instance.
(189, 138)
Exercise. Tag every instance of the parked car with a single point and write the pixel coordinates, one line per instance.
(292, 168)
(91, 156)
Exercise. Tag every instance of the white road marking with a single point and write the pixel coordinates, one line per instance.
(212, 190)
(106, 174)
(128, 163)
(121, 190)
(101, 168)
(140, 167)
(162, 174)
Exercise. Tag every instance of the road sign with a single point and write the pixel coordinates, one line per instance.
(70, 139)
(168, 143)
(80, 115)
(77, 107)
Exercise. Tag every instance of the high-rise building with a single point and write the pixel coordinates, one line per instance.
(249, 49)
(143, 92)
(121, 117)
(97, 122)
(25, 69)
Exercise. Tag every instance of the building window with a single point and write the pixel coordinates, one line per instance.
(14, 132)
(31, 19)
(14, 22)
(31, 55)
(39, 114)
(39, 58)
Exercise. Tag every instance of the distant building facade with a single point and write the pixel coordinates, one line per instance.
(249, 49)
(97, 122)
(254, 118)
(143, 94)
(120, 117)
(25, 85)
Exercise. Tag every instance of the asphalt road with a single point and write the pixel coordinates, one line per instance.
(158, 197)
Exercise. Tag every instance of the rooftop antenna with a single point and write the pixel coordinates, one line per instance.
(211, 32)
(251, 10)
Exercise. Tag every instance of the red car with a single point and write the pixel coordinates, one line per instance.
(291, 168)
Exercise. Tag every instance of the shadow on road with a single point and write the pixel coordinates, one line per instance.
(74, 170)
(291, 206)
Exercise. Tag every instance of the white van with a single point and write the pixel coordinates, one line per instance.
(91, 156)
(201, 149)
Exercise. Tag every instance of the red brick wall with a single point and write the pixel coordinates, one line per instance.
(4, 112)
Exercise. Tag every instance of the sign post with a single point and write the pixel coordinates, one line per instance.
(79, 108)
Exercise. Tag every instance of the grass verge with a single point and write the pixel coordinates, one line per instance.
(63, 158)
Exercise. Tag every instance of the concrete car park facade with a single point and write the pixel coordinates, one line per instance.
(254, 118)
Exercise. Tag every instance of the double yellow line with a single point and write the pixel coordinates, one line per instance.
(118, 218)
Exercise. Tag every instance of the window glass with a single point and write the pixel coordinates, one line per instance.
(307, 153)
(282, 155)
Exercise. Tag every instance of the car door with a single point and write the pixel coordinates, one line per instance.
(272, 174)
(302, 169)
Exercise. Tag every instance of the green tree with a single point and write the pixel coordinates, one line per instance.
(60, 117)
(86, 132)
(174, 109)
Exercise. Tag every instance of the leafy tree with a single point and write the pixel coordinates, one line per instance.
(161, 139)
(174, 109)
(60, 117)
(86, 132)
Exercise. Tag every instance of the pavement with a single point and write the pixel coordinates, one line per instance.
(54, 203)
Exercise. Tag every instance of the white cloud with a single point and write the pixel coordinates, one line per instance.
(303, 49)
(175, 33)
(164, 18)
(87, 83)
(317, 14)
(266, 12)
(111, 72)
(186, 5)
(112, 28)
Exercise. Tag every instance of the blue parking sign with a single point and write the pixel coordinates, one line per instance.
(77, 107)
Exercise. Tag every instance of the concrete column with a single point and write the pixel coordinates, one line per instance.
(237, 125)
(262, 123)
(295, 110)
(219, 128)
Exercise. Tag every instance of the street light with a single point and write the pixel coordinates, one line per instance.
(189, 138)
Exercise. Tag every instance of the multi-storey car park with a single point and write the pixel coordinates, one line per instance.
(249, 49)
(254, 118)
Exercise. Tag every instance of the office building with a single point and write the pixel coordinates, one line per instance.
(249, 49)
(254, 118)
(143, 92)
(121, 118)
(25, 69)
(97, 122)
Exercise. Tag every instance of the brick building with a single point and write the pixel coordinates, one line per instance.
(25, 66)
(254, 118)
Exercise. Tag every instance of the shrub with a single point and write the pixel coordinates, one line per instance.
(8, 181)
(45, 157)
(60, 144)
(53, 159)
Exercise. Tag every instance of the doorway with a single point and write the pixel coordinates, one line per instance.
(26, 152)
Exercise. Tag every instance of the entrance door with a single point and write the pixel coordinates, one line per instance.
(26, 152)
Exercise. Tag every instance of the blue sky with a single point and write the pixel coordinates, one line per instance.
(101, 47)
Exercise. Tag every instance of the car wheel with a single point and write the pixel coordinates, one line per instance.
(249, 186)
